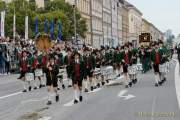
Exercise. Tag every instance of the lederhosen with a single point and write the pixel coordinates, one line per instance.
(156, 60)
(77, 72)
(126, 62)
(24, 67)
(89, 66)
(68, 60)
(51, 76)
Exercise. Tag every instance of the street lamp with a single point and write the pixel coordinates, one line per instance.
(75, 29)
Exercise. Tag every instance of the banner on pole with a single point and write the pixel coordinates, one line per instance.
(2, 23)
(26, 27)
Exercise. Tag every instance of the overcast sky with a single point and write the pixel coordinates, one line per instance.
(164, 14)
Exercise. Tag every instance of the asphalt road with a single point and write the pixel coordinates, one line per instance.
(112, 102)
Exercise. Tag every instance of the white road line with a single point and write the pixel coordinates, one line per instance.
(69, 104)
(122, 92)
(10, 95)
(45, 118)
(177, 82)
(153, 108)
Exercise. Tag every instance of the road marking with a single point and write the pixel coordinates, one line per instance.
(10, 95)
(153, 108)
(177, 82)
(129, 96)
(69, 104)
(45, 118)
(95, 90)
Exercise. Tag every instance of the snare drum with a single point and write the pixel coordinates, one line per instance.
(29, 76)
(38, 72)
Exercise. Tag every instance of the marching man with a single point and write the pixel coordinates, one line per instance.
(51, 79)
(156, 57)
(77, 66)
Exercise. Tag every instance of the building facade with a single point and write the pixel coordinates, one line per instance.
(135, 21)
(97, 23)
(107, 22)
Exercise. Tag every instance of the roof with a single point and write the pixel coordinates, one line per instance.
(130, 6)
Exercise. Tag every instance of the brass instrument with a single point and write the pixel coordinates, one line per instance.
(43, 42)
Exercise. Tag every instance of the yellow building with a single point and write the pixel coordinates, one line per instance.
(125, 24)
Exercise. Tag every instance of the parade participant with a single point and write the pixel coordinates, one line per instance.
(125, 64)
(67, 61)
(60, 62)
(156, 57)
(143, 55)
(89, 64)
(51, 79)
(23, 70)
(77, 66)
(134, 53)
(98, 59)
(36, 67)
(164, 53)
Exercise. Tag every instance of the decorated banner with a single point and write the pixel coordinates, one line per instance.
(59, 31)
(2, 23)
(26, 28)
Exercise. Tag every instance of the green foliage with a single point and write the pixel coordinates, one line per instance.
(57, 9)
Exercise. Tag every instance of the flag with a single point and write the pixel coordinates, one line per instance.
(14, 26)
(46, 26)
(2, 23)
(59, 31)
(26, 27)
(36, 26)
(52, 30)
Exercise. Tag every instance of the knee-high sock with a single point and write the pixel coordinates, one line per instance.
(76, 94)
(49, 96)
(24, 84)
(157, 78)
(86, 84)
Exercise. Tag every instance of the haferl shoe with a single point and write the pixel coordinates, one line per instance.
(49, 103)
(58, 88)
(107, 81)
(92, 88)
(126, 86)
(40, 86)
(35, 88)
(164, 80)
(57, 98)
(86, 90)
(24, 90)
(98, 85)
(75, 101)
(135, 81)
(160, 83)
(156, 84)
(29, 88)
(103, 83)
(69, 86)
(130, 84)
(80, 98)
(118, 75)
(63, 86)
(43, 85)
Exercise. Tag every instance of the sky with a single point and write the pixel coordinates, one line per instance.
(164, 14)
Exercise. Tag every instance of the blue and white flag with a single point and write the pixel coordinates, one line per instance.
(59, 31)
(52, 29)
(46, 26)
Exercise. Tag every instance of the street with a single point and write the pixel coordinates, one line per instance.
(112, 102)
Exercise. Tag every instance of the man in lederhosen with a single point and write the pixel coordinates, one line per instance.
(77, 66)
(156, 57)
(23, 70)
(51, 79)
(89, 64)
(125, 64)
(67, 62)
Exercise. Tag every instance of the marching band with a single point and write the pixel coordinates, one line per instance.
(88, 69)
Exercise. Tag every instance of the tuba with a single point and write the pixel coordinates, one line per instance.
(43, 42)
